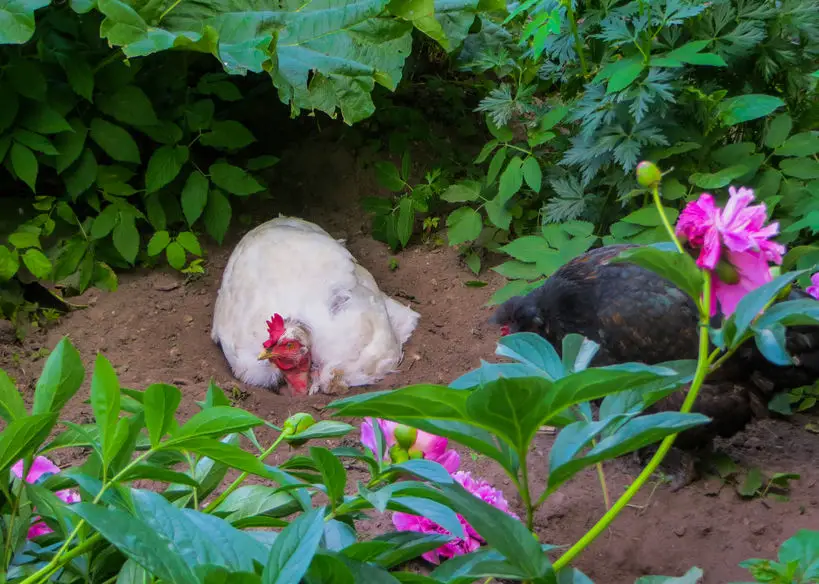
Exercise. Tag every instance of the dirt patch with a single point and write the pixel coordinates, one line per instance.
(155, 328)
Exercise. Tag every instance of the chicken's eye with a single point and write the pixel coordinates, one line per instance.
(290, 346)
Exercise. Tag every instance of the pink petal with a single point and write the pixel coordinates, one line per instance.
(450, 460)
(405, 521)
(814, 289)
(68, 496)
(753, 270)
(368, 435)
(737, 203)
(430, 445)
(39, 467)
(38, 529)
(710, 252)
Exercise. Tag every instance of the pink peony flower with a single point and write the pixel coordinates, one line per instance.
(813, 289)
(736, 234)
(472, 540)
(39, 467)
(429, 446)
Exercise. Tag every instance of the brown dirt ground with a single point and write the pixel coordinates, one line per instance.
(155, 328)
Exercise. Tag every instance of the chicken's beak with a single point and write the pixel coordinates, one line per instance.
(265, 355)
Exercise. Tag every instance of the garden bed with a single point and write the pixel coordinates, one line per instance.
(155, 328)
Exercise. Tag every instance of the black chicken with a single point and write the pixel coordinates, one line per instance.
(636, 315)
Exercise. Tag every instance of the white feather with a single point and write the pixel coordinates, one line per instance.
(295, 268)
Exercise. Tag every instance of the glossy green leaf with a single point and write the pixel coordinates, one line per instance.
(105, 402)
(534, 351)
(294, 548)
(160, 401)
(322, 429)
(217, 421)
(232, 456)
(12, 406)
(529, 248)
(138, 541)
(504, 533)
(332, 472)
(565, 459)
(159, 474)
(23, 436)
(189, 241)
(129, 105)
(62, 376)
(43, 119)
(802, 144)
(256, 500)
(432, 510)
(463, 192)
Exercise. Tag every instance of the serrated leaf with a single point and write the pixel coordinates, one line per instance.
(115, 141)
(70, 144)
(464, 192)
(189, 241)
(778, 131)
(511, 179)
(463, 225)
(37, 263)
(388, 176)
(25, 165)
(164, 166)
(532, 173)
(80, 77)
(194, 196)
(176, 255)
(126, 238)
(233, 179)
(129, 105)
(230, 135)
(158, 242)
(217, 215)
(43, 119)
(81, 175)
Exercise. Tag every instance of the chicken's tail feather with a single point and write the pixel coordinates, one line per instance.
(403, 319)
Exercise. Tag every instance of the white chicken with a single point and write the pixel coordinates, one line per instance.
(297, 295)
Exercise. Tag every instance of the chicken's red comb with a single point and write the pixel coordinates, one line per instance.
(275, 327)
(505, 330)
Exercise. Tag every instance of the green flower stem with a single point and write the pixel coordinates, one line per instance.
(578, 43)
(655, 191)
(602, 478)
(62, 557)
(241, 478)
(703, 366)
(526, 495)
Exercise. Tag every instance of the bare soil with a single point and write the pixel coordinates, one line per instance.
(155, 328)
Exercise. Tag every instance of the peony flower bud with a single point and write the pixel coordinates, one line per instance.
(405, 436)
(648, 175)
(398, 455)
(297, 423)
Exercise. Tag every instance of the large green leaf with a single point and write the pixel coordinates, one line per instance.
(636, 433)
(504, 533)
(17, 20)
(199, 538)
(748, 107)
(105, 401)
(21, 437)
(255, 500)
(217, 421)
(161, 401)
(139, 541)
(294, 549)
(12, 405)
(332, 472)
(532, 350)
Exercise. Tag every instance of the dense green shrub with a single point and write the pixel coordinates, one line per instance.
(123, 141)
(723, 92)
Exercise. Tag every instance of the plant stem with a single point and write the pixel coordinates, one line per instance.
(525, 494)
(578, 43)
(655, 191)
(602, 478)
(241, 478)
(702, 370)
